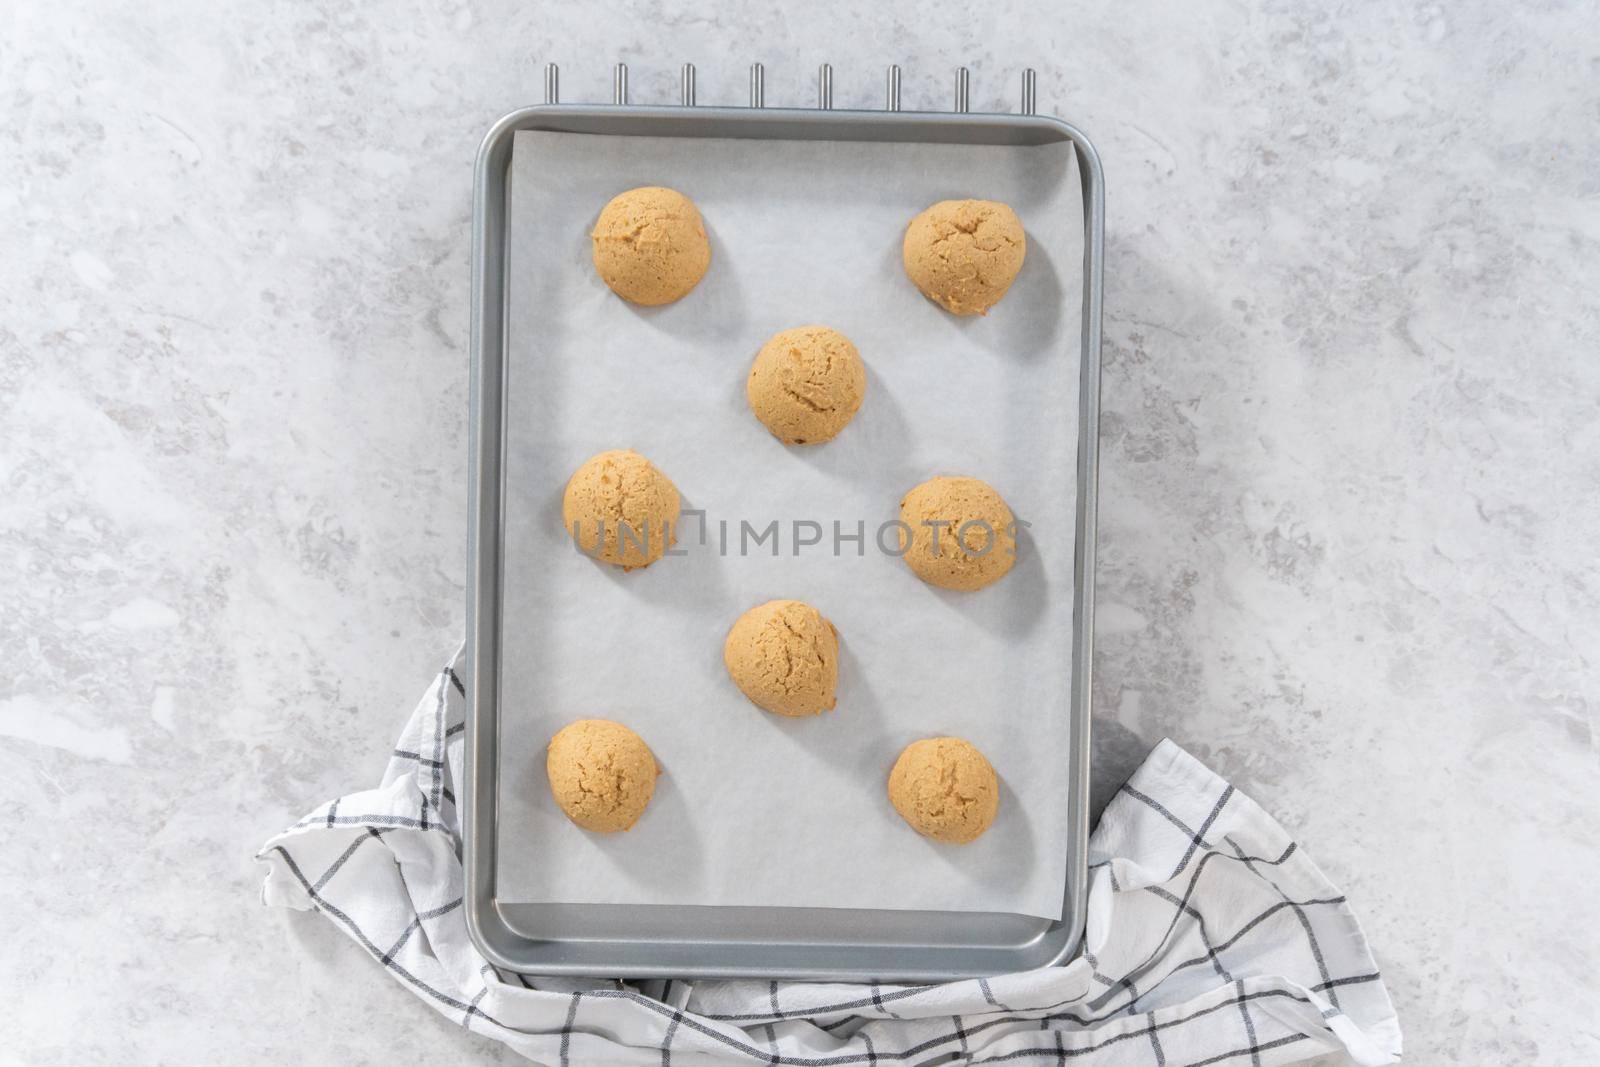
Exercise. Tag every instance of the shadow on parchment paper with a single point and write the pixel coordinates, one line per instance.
(1011, 335)
(693, 578)
(1117, 753)
(633, 855)
(1024, 591)
(872, 447)
(1037, 285)
(1018, 854)
(712, 314)
(859, 711)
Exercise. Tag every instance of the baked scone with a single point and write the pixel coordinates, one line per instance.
(602, 774)
(963, 536)
(806, 384)
(944, 788)
(621, 509)
(650, 245)
(784, 656)
(964, 254)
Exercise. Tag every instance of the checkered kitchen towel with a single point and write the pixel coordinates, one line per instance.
(1212, 939)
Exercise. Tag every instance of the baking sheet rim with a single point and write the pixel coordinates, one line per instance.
(490, 929)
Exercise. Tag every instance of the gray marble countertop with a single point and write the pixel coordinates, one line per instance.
(1350, 487)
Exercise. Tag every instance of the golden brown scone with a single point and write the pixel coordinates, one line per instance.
(806, 384)
(963, 536)
(945, 789)
(784, 656)
(964, 254)
(622, 495)
(650, 246)
(602, 774)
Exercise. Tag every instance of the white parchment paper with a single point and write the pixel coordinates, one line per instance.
(753, 809)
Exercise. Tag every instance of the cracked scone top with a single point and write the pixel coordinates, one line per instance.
(806, 384)
(621, 509)
(650, 246)
(964, 254)
(963, 535)
(944, 788)
(784, 656)
(602, 774)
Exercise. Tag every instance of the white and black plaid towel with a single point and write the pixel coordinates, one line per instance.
(1212, 939)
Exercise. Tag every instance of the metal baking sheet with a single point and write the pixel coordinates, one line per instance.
(676, 938)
